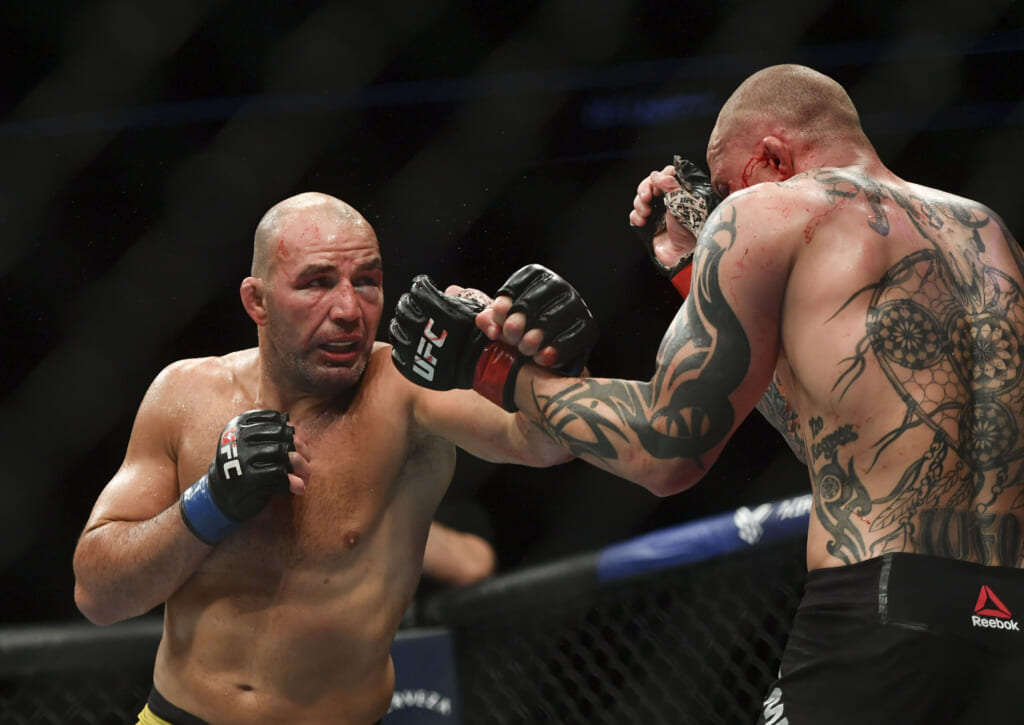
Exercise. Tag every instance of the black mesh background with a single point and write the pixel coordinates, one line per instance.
(77, 674)
(698, 644)
(76, 697)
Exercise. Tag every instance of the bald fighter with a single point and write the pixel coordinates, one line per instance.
(277, 499)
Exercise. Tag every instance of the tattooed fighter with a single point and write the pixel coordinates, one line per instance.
(892, 316)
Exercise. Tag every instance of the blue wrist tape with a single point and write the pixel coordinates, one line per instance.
(201, 514)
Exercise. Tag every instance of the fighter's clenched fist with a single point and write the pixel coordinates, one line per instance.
(437, 344)
(250, 466)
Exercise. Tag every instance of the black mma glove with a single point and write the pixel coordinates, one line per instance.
(436, 344)
(690, 206)
(250, 466)
(554, 306)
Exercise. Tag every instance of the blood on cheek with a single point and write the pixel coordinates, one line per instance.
(751, 167)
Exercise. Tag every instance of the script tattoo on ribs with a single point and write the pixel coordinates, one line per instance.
(945, 330)
(684, 411)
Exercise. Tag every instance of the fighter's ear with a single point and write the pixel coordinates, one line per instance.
(254, 299)
(777, 154)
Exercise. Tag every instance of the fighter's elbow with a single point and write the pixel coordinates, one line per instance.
(665, 487)
(665, 478)
(94, 600)
(555, 457)
(93, 608)
(479, 563)
(538, 454)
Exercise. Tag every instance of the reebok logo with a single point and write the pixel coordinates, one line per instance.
(989, 604)
(991, 613)
(424, 363)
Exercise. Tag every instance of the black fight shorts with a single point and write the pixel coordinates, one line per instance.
(904, 638)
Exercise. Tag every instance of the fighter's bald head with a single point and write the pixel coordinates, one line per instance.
(791, 98)
(310, 206)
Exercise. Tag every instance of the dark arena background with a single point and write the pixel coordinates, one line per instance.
(140, 144)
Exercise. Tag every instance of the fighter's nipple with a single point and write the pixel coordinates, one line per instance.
(351, 539)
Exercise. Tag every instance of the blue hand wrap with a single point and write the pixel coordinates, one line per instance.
(201, 514)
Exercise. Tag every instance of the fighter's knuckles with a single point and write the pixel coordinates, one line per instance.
(513, 328)
(531, 343)
(500, 308)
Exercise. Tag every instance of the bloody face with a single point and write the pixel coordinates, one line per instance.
(736, 160)
(324, 299)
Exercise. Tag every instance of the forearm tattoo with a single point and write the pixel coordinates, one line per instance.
(684, 411)
(945, 330)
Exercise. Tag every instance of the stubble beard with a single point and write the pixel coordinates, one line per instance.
(298, 372)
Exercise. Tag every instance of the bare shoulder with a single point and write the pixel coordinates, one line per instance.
(391, 396)
(385, 386)
(386, 380)
(381, 369)
(970, 213)
(769, 219)
(779, 205)
(189, 384)
(203, 375)
(946, 197)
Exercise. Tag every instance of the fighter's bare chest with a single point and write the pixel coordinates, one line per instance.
(357, 468)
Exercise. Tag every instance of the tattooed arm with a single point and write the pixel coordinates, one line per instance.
(714, 364)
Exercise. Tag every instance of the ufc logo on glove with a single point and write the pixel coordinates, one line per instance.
(424, 363)
(229, 450)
